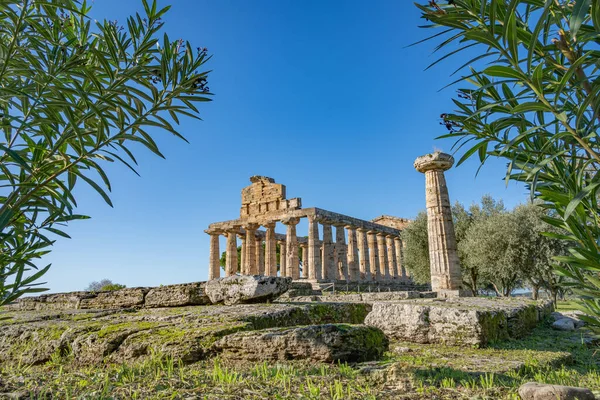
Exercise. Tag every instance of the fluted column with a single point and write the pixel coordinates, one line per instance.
(231, 257)
(282, 259)
(243, 269)
(314, 255)
(260, 256)
(292, 248)
(399, 266)
(443, 254)
(382, 253)
(329, 266)
(373, 255)
(341, 251)
(270, 250)
(353, 263)
(365, 272)
(304, 254)
(391, 256)
(214, 264)
(250, 258)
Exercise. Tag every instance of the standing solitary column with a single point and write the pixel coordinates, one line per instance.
(382, 253)
(353, 267)
(373, 256)
(304, 251)
(260, 256)
(329, 267)
(443, 254)
(365, 272)
(341, 251)
(292, 248)
(214, 265)
(270, 250)
(282, 259)
(399, 266)
(250, 258)
(231, 258)
(391, 256)
(314, 254)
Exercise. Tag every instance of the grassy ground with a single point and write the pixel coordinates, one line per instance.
(409, 371)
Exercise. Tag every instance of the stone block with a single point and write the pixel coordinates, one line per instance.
(403, 321)
(186, 294)
(238, 289)
(122, 298)
(539, 391)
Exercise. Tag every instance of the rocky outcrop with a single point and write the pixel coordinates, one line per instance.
(323, 343)
(567, 321)
(123, 298)
(458, 321)
(246, 289)
(187, 294)
(539, 391)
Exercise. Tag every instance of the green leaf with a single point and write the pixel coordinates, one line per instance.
(587, 191)
(503, 72)
(580, 12)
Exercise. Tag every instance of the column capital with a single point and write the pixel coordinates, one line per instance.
(251, 226)
(270, 225)
(381, 234)
(361, 229)
(214, 231)
(436, 161)
(350, 227)
(290, 221)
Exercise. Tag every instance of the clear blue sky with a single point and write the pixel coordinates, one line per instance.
(322, 96)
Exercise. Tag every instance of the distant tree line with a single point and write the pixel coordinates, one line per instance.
(103, 285)
(500, 250)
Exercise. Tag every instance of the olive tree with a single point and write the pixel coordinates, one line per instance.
(75, 95)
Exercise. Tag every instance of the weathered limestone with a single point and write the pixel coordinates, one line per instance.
(341, 252)
(314, 253)
(231, 256)
(246, 289)
(445, 268)
(401, 272)
(243, 264)
(391, 256)
(384, 273)
(186, 294)
(250, 259)
(329, 267)
(282, 258)
(293, 268)
(304, 254)
(542, 391)
(353, 267)
(215, 255)
(365, 272)
(323, 343)
(260, 256)
(270, 250)
(373, 256)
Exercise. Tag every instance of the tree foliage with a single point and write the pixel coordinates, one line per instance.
(73, 96)
(103, 285)
(535, 103)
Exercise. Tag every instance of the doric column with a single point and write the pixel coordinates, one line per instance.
(399, 266)
(341, 251)
(260, 256)
(270, 250)
(353, 263)
(214, 264)
(365, 272)
(250, 258)
(373, 255)
(292, 248)
(304, 251)
(329, 267)
(382, 253)
(443, 254)
(231, 257)
(282, 259)
(314, 255)
(391, 256)
(243, 270)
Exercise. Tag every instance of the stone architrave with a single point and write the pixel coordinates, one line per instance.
(231, 258)
(250, 259)
(373, 255)
(314, 254)
(365, 272)
(214, 270)
(382, 253)
(291, 249)
(399, 266)
(391, 255)
(243, 270)
(282, 259)
(446, 276)
(341, 252)
(270, 250)
(329, 266)
(353, 263)
(260, 256)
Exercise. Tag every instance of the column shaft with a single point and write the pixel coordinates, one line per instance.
(243, 265)
(382, 253)
(314, 255)
(373, 256)
(304, 248)
(329, 266)
(214, 269)
(341, 251)
(250, 258)
(365, 272)
(231, 258)
(292, 248)
(270, 251)
(282, 259)
(399, 266)
(260, 256)
(353, 263)
(391, 256)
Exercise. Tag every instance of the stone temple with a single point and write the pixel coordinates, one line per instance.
(362, 250)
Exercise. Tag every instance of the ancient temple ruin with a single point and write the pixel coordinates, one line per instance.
(362, 250)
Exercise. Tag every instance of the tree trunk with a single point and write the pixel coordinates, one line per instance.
(535, 290)
(498, 293)
(473, 274)
(554, 293)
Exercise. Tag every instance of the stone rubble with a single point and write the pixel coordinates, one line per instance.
(238, 289)
(539, 391)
